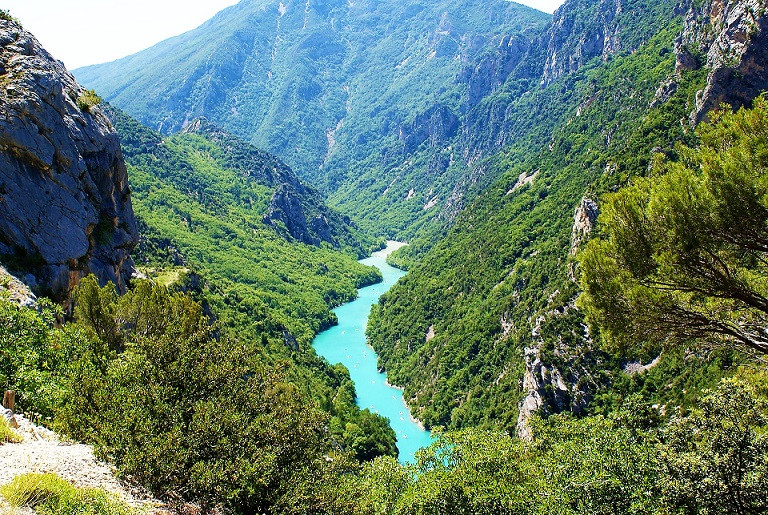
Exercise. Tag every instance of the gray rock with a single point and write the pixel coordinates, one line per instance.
(569, 48)
(65, 206)
(436, 126)
(285, 206)
(730, 38)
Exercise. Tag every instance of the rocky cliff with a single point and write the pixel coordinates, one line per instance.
(731, 40)
(65, 204)
(727, 39)
(296, 211)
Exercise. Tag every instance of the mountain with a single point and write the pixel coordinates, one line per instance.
(209, 202)
(361, 98)
(484, 329)
(487, 174)
(573, 145)
(238, 265)
(64, 196)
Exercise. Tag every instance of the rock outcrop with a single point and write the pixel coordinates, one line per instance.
(583, 222)
(436, 126)
(570, 46)
(15, 290)
(65, 204)
(285, 207)
(731, 40)
(558, 375)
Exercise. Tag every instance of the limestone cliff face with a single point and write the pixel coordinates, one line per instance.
(436, 126)
(65, 205)
(731, 40)
(571, 41)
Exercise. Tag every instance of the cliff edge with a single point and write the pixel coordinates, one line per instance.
(65, 204)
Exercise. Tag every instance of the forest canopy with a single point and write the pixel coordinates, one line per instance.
(683, 253)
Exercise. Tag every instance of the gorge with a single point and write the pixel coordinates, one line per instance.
(585, 201)
(346, 343)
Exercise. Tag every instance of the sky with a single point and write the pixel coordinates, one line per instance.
(83, 32)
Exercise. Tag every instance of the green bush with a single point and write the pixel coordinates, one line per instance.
(30, 353)
(5, 15)
(48, 494)
(180, 411)
(7, 434)
(87, 100)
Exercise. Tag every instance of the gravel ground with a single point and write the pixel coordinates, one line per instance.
(44, 451)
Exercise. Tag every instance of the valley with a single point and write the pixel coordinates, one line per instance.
(199, 276)
(346, 343)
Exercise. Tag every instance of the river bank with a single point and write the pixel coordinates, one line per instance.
(346, 343)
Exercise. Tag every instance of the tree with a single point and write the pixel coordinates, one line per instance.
(715, 458)
(684, 253)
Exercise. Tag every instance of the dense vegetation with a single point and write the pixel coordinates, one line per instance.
(361, 97)
(201, 200)
(684, 251)
(502, 280)
(190, 414)
(627, 463)
(199, 419)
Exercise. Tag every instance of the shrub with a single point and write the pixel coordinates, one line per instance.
(5, 15)
(87, 100)
(30, 353)
(8, 435)
(51, 495)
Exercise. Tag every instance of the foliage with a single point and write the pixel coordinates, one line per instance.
(507, 259)
(683, 252)
(87, 100)
(587, 466)
(48, 494)
(5, 15)
(710, 461)
(30, 353)
(213, 420)
(7, 434)
(715, 457)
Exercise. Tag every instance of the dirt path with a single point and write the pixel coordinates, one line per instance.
(44, 451)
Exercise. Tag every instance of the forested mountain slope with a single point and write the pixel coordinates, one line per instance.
(484, 329)
(197, 382)
(352, 95)
(240, 216)
(200, 384)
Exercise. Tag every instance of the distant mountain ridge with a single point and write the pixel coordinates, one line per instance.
(342, 91)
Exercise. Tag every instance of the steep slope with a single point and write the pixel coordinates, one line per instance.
(263, 261)
(65, 204)
(208, 201)
(340, 90)
(483, 330)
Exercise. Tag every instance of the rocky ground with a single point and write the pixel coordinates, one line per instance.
(44, 451)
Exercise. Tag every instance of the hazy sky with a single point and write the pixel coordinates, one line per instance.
(82, 32)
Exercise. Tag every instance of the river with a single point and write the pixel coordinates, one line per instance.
(346, 343)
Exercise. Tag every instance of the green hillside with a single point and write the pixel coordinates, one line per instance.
(201, 199)
(352, 95)
(583, 319)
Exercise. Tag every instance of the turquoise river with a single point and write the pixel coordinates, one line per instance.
(345, 343)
